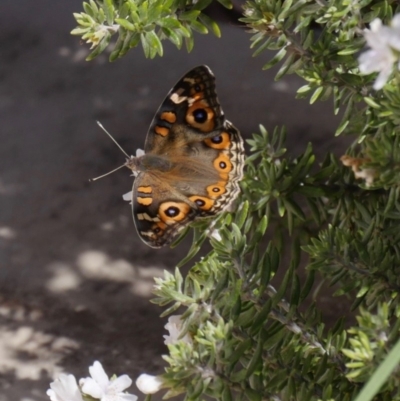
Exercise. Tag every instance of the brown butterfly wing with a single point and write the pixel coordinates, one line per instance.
(190, 112)
(160, 212)
(204, 154)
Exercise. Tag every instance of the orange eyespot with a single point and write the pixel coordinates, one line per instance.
(222, 141)
(159, 228)
(201, 116)
(216, 190)
(202, 202)
(171, 212)
(223, 165)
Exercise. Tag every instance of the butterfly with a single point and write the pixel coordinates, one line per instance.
(192, 163)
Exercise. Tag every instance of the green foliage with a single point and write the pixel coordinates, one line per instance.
(145, 21)
(249, 338)
(381, 375)
(251, 329)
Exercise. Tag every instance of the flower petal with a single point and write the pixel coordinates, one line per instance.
(382, 79)
(396, 22)
(91, 387)
(174, 327)
(148, 384)
(384, 42)
(375, 25)
(64, 388)
(52, 395)
(120, 383)
(99, 375)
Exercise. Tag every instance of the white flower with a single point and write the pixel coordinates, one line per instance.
(148, 384)
(174, 327)
(384, 42)
(139, 152)
(64, 388)
(395, 33)
(101, 387)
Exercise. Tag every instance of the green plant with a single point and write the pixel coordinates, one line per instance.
(243, 336)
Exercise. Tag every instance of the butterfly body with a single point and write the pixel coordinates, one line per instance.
(192, 164)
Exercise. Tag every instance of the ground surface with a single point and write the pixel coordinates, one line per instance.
(75, 280)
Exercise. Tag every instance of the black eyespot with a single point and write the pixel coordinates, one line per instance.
(200, 202)
(157, 230)
(215, 189)
(217, 139)
(222, 165)
(200, 115)
(172, 211)
(197, 88)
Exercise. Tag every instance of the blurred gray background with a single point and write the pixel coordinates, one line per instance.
(75, 279)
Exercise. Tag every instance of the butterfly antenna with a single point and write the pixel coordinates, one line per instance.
(123, 151)
(104, 175)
